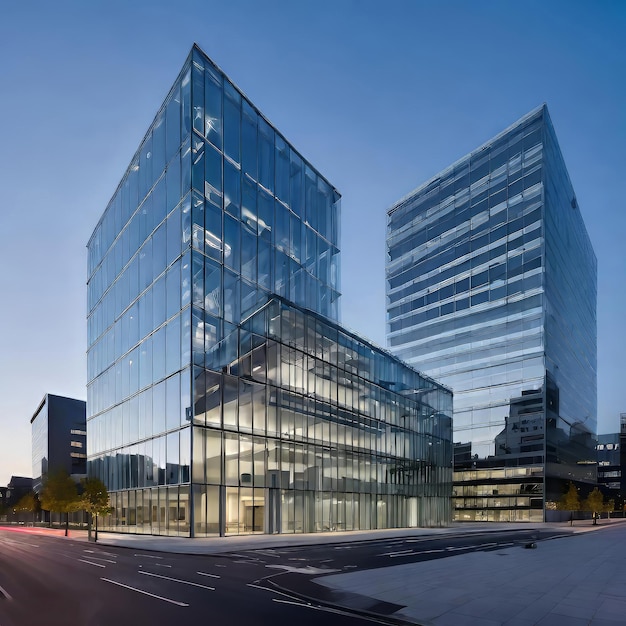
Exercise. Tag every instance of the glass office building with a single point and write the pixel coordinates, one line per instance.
(491, 289)
(204, 416)
(59, 438)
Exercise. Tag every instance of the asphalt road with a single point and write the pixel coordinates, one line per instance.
(62, 582)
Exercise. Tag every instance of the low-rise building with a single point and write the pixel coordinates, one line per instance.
(59, 438)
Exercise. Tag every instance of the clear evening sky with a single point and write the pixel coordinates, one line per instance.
(379, 96)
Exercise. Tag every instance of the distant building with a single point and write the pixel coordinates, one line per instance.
(224, 397)
(611, 457)
(59, 438)
(491, 289)
(18, 486)
(609, 454)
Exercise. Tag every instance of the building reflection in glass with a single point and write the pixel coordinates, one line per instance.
(214, 405)
(492, 290)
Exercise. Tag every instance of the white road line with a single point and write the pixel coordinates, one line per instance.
(393, 556)
(268, 552)
(90, 563)
(152, 595)
(148, 556)
(5, 593)
(430, 551)
(99, 558)
(270, 590)
(161, 565)
(308, 606)
(328, 609)
(177, 580)
(409, 551)
(207, 574)
(460, 548)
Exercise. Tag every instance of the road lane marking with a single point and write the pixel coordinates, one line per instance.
(409, 551)
(393, 556)
(177, 580)
(271, 553)
(148, 556)
(100, 552)
(108, 553)
(161, 565)
(146, 593)
(90, 563)
(271, 590)
(329, 609)
(295, 603)
(207, 574)
(309, 569)
(99, 558)
(5, 593)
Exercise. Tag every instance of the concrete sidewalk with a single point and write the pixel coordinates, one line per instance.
(572, 581)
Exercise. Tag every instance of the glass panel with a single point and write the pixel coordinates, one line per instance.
(213, 107)
(232, 122)
(249, 161)
(173, 459)
(172, 402)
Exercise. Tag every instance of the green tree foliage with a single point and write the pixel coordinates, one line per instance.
(28, 502)
(570, 501)
(59, 494)
(609, 507)
(94, 500)
(594, 503)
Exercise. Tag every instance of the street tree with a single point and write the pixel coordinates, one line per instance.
(570, 501)
(609, 507)
(29, 502)
(594, 503)
(95, 500)
(59, 494)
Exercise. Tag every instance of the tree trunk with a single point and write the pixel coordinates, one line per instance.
(96, 536)
(67, 523)
(89, 519)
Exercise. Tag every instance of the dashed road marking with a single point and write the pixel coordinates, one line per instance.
(146, 593)
(148, 556)
(177, 580)
(91, 563)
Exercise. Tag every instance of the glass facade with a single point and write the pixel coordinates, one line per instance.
(491, 289)
(216, 216)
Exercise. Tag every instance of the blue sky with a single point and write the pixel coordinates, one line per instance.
(380, 96)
